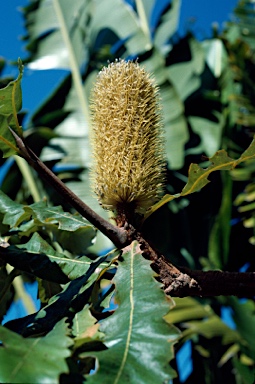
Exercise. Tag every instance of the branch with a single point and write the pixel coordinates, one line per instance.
(177, 282)
(117, 235)
(217, 283)
(182, 282)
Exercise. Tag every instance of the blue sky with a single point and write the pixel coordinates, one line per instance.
(36, 84)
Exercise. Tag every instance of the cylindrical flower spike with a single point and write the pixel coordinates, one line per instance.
(129, 161)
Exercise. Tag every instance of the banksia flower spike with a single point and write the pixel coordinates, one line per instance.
(128, 147)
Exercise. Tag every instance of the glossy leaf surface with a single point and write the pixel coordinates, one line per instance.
(139, 340)
(34, 360)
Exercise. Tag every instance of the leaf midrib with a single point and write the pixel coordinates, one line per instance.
(20, 364)
(130, 327)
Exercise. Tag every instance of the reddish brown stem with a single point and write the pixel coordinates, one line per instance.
(117, 235)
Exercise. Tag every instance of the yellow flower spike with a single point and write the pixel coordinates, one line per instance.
(129, 161)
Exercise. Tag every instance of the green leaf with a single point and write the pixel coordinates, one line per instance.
(198, 177)
(10, 105)
(7, 141)
(85, 328)
(216, 55)
(165, 199)
(230, 352)
(211, 327)
(10, 209)
(244, 317)
(72, 231)
(82, 321)
(37, 360)
(140, 342)
(176, 128)
(219, 240)
(46, 32)
(210, 133)
(167, 25)
(185, 76)
(6, 292)
(74, 296)
(246, 373)
(187, 309)
(39, 264)
(40, 259)
(45, 215)
(11, 97)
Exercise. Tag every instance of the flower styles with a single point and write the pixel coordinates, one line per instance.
(129, 161)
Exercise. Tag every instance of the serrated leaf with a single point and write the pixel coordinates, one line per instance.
(45, 215)
(11, 97)
(82, 321)
(38, 360)
(85, 327)
(74, 296)
(40, 259)
(140, 342)
(72, 231)
(198, 177)
(39, 264)
(10, 209)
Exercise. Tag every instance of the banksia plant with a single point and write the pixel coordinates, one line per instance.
(129, 162)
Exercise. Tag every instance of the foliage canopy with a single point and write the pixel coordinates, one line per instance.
(104, 317)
